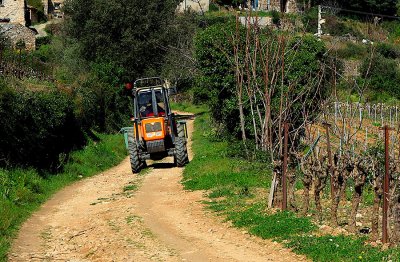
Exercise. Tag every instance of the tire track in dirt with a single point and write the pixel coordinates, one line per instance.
(117, 216)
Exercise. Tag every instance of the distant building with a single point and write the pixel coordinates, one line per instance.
(194, 5)
(14, 33)
(14, 15)
(13, 11)
(290, 6)
(53, 8)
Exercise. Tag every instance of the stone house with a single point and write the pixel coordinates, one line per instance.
(194, 5)
(289, 6)
(13, 11)
(53, 8)
(14, 33)
(13, 20)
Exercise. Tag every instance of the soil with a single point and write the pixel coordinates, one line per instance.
(118, 216)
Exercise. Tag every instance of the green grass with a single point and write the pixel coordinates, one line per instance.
(22, 191)
(188, 107)
(340, 248)
(238, 190)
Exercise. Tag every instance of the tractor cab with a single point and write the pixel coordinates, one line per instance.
(155, 134)
(151, 103)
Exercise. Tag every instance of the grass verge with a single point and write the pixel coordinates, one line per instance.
(238, 190)
(188, 107)
(22, 191)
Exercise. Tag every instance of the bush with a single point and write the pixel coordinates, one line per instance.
(36, 127)
(388, 50)
(381, 74)
(213, 7)
(276, 17)
(310, 20)
(352, 50)
(336, 27)
(45, 40)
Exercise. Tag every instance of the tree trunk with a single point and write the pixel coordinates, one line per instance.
(291, 189)
(396, 220)
(307, 181)
(277, 199)
(335, 201)
(359, 175)
(354, 208)
(375, 215)
(378, 193)
(317, 199)
(319, 185)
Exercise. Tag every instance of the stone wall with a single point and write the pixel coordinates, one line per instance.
(53, 8)
(45, 4)
(14, 33)
(291, 5)
(14, 10)
(194, 5)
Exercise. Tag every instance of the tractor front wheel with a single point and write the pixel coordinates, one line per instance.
(181, 155)
(136, 164)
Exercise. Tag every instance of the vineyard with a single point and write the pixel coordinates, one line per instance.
(343, 166)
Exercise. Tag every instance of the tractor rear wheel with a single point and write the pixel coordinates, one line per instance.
(181, 155)
(180, 128)
(136, 164)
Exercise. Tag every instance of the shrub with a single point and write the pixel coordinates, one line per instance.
(213, 7)
(45, 40)
(310, 20)
(336, 27)
(276, 17)
(388, 50)
(36, 127)
(352, 50)
(381, 74)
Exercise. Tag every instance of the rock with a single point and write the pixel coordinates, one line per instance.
(325, 228)
(365, 230)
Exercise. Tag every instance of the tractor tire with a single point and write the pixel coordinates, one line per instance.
(182, 133)
(136, 164)
(180, 128)
(181, 155)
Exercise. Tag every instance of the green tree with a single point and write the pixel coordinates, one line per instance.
(129, 34)
(304, 68)
(381, 75)
(387, 7)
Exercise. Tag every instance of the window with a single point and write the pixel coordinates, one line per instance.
(145, 103)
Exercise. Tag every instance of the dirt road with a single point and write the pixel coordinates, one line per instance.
(117, 216)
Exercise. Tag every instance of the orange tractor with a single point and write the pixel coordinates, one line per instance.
(156, 133)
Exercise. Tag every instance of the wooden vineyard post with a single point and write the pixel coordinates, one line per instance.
(328, 144)
(386, 129)
(284, 167)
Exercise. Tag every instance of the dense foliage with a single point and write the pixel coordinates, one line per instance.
(131, 36)
(217, 84)
(37, 128)
(387, 7)
(381, 75)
